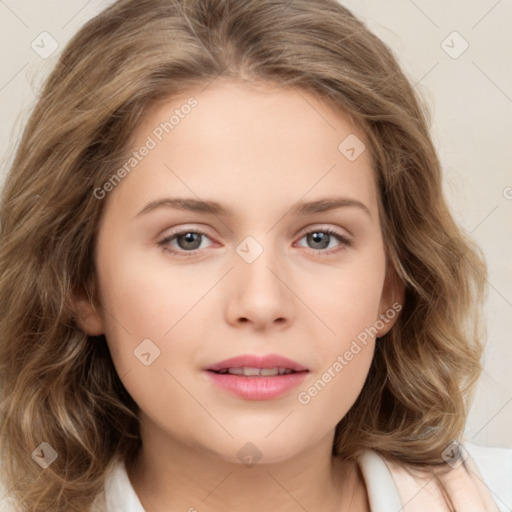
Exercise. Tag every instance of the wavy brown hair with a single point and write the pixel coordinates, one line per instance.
(59, 385)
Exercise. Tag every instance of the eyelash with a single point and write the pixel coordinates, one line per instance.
(163, 244)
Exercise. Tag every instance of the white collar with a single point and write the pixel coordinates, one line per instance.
(382, 491)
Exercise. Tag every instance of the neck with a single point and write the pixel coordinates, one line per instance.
(170, 476)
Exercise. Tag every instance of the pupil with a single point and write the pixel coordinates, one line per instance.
(189, 238)
(319, 238)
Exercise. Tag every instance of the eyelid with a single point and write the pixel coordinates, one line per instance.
(181, 229)
(326, 227)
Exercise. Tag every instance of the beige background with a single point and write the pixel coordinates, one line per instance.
(469, 93)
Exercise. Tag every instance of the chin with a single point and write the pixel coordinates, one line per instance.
(258, 450)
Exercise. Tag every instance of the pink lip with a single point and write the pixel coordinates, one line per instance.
(255, 361)
(257, 387)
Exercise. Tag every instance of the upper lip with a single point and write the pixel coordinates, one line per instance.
(256, 361)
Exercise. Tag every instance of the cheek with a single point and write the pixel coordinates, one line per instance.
(153, 318)
(346, 298)
(144, 297)
(333, 391)
(146, 328)
(347, 302)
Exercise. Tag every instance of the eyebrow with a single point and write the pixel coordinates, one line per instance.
(215, 208)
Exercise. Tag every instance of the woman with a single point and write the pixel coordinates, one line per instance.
(310, 350)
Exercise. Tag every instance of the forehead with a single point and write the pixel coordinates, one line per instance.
(255, 142)
(228, 111)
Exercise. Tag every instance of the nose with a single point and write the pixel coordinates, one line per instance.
(259, 293)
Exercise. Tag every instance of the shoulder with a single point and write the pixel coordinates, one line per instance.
(477, 479)
(117, 495)
(495, 467)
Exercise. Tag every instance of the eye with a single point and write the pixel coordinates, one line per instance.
(188, 242)
(321, 239)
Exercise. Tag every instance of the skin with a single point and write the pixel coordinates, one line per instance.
(258, 150)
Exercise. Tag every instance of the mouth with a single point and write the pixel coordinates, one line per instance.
(253, 365)
(257, 377)
(256, 372)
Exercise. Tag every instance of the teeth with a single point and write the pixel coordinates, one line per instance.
(260, 372)
(249, 372)
(235, 371)
(269, 371)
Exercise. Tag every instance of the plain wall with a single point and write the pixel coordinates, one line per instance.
(468, 92)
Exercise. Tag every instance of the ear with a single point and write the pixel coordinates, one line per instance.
(88, 316)
(391, 303)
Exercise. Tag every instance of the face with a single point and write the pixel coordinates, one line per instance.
(183, 287)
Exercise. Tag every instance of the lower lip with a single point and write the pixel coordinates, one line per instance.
(257, 388)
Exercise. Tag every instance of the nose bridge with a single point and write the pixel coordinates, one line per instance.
(259, 260)
(261, 295)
